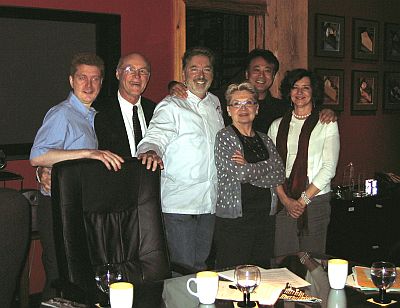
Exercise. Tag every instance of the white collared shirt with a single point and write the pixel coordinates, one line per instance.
(127, 113)
(182, 132)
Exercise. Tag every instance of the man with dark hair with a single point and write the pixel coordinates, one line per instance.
(261, 67)
(180, 139)
(67, 133)
(119, 115)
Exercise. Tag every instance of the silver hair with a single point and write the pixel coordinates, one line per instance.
(244, 86)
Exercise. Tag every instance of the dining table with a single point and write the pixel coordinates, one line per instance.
(172, 293)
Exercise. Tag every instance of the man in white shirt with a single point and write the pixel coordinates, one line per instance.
(180, 139)
(115, 121)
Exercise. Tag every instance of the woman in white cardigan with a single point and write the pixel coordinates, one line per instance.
(310, 151)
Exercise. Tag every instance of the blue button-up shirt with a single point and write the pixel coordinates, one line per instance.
(66, 126)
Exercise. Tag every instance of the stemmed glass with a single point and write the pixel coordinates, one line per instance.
(247, 278)
(383, 275)
(106, 275)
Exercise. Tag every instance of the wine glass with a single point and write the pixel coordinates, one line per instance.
(247, 278)
(106, 275)
(383, 275)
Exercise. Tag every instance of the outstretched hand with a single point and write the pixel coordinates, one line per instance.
(151, 160)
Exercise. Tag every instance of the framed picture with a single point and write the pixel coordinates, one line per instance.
(365, 90)
(365, 39)
(333, 88)
(391, 97)
(392, 42)
(329, 36)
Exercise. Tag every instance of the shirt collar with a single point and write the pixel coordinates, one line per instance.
(79, 106)
(127, 105)
(194, 98)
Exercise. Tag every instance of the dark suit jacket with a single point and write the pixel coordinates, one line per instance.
(110, 127)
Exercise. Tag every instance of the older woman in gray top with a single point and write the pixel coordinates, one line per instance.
(248, 168)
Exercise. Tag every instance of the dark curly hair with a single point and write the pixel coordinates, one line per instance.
(291, 77)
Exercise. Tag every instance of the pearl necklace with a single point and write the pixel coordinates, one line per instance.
(301, 117)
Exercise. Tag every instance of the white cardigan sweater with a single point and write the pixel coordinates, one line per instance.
(323, 151)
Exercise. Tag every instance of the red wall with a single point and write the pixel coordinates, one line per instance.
(146, 27)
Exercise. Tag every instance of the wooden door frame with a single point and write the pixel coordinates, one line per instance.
(255, 9)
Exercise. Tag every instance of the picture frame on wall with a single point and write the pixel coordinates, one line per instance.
(365, 91)
(333, 88)
(329, 36)
(365, 39)
(391, 96)
(392, 42)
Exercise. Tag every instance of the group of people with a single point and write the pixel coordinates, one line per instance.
(256, 195)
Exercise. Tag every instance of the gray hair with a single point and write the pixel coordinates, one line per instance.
(198, 51)
(244, 86)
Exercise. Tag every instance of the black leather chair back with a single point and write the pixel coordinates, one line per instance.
(14, 241)
(103, 216)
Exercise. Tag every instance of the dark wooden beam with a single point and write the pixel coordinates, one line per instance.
(245, 7)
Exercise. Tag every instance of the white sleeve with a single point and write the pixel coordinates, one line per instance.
(162, 129)
(330, 156)
(273, 130)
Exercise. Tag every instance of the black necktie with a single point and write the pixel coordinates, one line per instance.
(136, 126)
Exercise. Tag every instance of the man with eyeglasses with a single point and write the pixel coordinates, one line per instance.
(123, 119)
(68, 133)
(180, 139)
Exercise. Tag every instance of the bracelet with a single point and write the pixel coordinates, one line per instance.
(304, 258)
(305, 198)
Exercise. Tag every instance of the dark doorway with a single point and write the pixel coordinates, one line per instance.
(225, 34)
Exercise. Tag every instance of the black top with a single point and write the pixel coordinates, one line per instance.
(254, 198)
(270, 109)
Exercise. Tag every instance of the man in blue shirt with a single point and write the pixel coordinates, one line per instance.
(67, 133)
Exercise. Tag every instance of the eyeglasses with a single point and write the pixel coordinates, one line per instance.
(238, 104)
(129, 70)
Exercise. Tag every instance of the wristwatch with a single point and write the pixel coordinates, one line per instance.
(304, 258)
